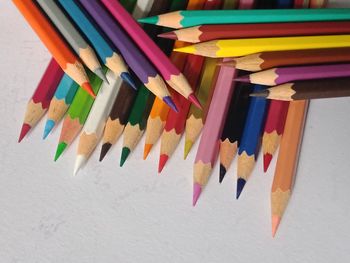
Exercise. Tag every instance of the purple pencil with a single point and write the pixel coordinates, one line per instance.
(276, 76)
(143, 69)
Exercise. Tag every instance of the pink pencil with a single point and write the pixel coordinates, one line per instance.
(167, 69)
(208, 149)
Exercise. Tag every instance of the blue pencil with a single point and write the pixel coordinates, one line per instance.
(60, 102)
(250, 141)
(284, 4)
(106, 52)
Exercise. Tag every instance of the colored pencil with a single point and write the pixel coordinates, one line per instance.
(233, 129)
(273, 130)
(211, 32)
(141, 8)
(76, 116)
(175, 124)
(144, 70)
(139, 114)
(287, 161)
(301, 3)
(318, 3)
(118, 118)
(54, 43)
(284, 4)
(248, 46)
(170, 73)
(187, 18)
(266, 60)
(208, 148)
(230, 4)
(235, 118)
(276, 76)
(308, 89)
(95, 122)
(196, 118)
(159, 112)
(121, 108)
(107, 54)
(250, 141)
(60, 103)
(266, 4)
(39, 103)
(72, 36)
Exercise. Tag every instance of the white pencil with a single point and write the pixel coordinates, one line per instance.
(95, 123)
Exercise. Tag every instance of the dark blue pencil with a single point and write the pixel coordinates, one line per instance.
(284, 4)
(250, 142)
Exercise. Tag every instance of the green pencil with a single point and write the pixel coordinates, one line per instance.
(181, 19)
(77, 114)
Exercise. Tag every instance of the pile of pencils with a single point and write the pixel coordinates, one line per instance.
(239, 80)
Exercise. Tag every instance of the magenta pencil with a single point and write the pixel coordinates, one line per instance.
(208, 149)
(170, 73)
(276, 76)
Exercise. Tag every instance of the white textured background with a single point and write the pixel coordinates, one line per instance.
(107, 214)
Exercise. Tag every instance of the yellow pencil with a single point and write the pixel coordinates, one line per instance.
(243, 47)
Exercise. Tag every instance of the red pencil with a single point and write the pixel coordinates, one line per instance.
(41, 98)
(273, 130)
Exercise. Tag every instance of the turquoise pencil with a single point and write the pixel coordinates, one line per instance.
(60, 103)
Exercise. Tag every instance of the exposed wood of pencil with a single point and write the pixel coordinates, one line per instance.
(266, 60)
(287, 160)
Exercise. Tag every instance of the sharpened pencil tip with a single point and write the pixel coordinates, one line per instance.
(245, 79)
(48, 128)
(222, 173)
(187, 49)
(192, 98)
(128, 79)
(104, 150)
(231, 63)
(125, 153)
(147, 150)
(267, 161)
(169, 101)
(101, 75)
(275, 222)
(240, 185)
(149, 20)
(60, 149)
(188, 147)
(87, 87)
(197, 190)
(79, 162)
(168, 35)
(261, 94)
(163, 158)
(24, 130)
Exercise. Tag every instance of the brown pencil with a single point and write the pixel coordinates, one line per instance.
(308, 89)
(266, 60)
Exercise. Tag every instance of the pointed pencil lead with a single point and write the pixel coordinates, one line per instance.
(262, 94)
(267, 161)
(188, 146)
(222, 173)
(101, 75)
(24, 130)
(147, 150)
(169, 101)
(168, 35)
(163, 158)
(240, 185)
(60, 149)
(275, 222)
(197, 190)
(245, 79)
(49, 125)
(149, 20)
(87, 87)
(104, 150)
(192, 98)
(125, 153)
(126, 76)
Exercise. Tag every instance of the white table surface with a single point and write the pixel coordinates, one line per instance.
(108, 214)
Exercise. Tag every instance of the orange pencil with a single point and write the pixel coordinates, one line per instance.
(69, 62)
(287, 160)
